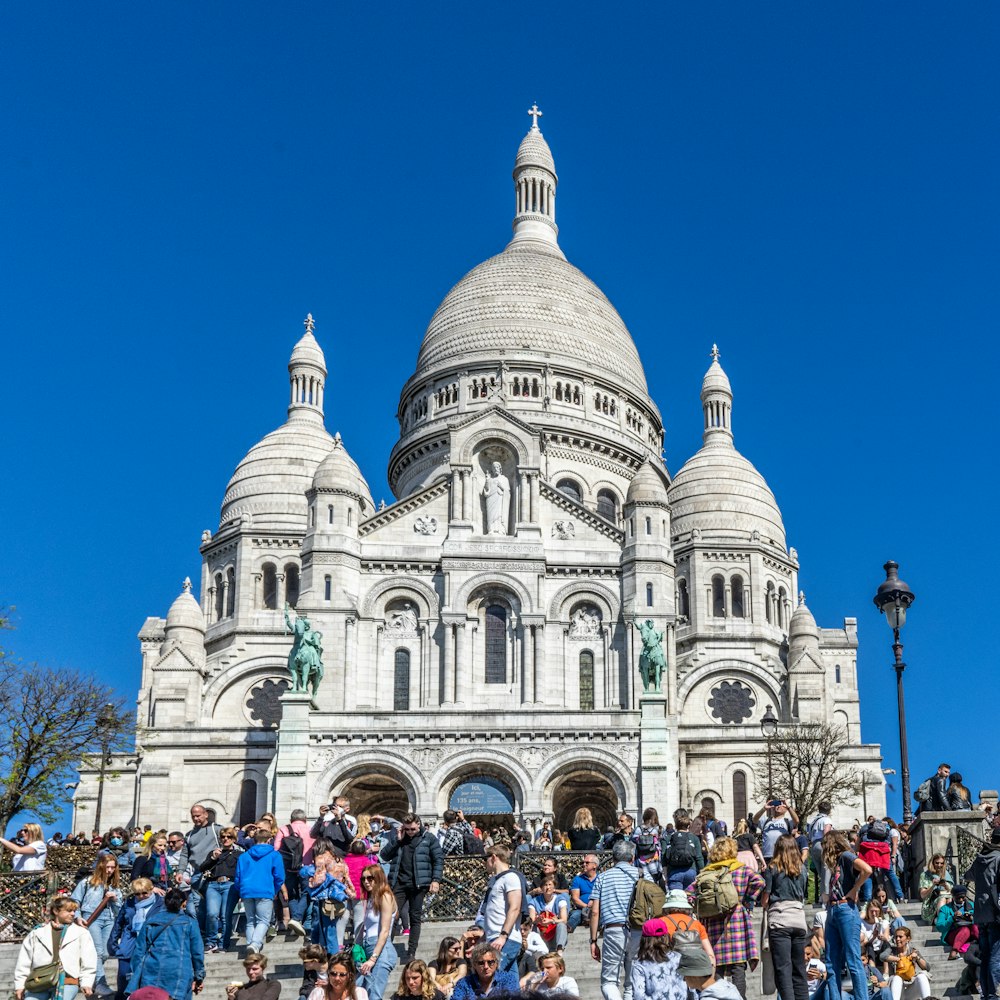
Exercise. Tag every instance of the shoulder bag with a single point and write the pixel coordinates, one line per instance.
(46, 977)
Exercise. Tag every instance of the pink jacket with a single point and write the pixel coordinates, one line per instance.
(356, 863)
(300, 828)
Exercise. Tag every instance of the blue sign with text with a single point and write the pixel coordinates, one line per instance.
(482, 795)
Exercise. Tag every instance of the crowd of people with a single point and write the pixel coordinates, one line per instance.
(673, 912)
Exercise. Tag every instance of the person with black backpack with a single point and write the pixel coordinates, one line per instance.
(648, 840)
(682, 855)
(295, 845)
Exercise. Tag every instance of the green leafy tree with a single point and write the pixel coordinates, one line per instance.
(50, 721)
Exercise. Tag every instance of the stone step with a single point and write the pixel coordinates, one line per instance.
(285, 966)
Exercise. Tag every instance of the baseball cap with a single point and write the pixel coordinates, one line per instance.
(655, 928)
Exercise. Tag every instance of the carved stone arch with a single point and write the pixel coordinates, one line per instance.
(234, 789)
(492, 761)
(725, 669)
(620, 774)
(755, 789)
(260, 668)
(565, 597)
(587, 491)
(606, 484)
(694, 806)
(496, 581)
(504, 435)
(340, 770)
(426, 598)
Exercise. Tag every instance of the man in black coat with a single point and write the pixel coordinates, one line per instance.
(985, 874)
(416, 862)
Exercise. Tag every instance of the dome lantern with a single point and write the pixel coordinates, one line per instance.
(717, 402)
(535, 184)
(307, 377)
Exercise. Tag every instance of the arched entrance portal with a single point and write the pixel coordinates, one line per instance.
(376, 794)
(588, 789)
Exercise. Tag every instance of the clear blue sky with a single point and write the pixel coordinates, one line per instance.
(812, 186)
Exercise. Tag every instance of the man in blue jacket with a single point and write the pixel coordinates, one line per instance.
(416, 863)
(260, 876)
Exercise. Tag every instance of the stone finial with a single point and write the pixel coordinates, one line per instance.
(535, 114)
(309, 324)
(338, 441)
(187, 585)
(802, 598)
(715, 352)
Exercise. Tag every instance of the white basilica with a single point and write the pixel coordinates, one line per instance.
(479, 634)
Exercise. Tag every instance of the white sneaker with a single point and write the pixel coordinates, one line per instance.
(296, 928)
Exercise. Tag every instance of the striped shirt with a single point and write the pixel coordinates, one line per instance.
(613, 890)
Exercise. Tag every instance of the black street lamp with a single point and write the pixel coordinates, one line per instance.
(769, 729)
(105, 724)
(892, 598)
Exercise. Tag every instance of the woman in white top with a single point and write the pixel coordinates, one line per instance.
(376, 932)
(340, 984)
(30, 857)
(59, 936)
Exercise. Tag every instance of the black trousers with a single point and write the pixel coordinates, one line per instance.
(413, 896)
(788, 955)
(737, 975)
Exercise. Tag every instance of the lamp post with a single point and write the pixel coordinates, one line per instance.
(769, 729)
(893, 598)
(105, 722)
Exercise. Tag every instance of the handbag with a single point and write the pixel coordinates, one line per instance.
(332, 909)
(44, 978)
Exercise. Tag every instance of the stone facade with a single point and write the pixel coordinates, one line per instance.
(483, 626)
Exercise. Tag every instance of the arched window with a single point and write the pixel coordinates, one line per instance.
(586, 681)
(740, 809)
(401, 681)
(649, 595)
(312, 515)
(570, 488)
(350, 516)
(782, 599)
(496, 644)
(769, 603)
(739, 604)
(220, 598)
(683, 601)
(836, 673)
(718, 597)
(607, 506)
(327, 587)
(270, 587)
(292, 584)
(230, 592)
(247, 809)
(329, 513)
(649, 525)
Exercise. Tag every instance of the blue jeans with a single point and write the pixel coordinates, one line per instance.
(324, 930)
(989, 958)
(577, 917)
(376, 980)
(219, 902)
(843, 947)
(680, 878)
(100, 930)
(510, 953)
(259, 913)
(69, 993)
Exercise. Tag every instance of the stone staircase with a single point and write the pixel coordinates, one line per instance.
(284, 964)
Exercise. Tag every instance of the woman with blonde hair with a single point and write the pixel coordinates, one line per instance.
(785, 881)
(583, 834)
(100, 898)
(417, 981)
(75, 966)
(731, 935)
(747, 849)
(154, 864)
(29, 856)
(843, 922)
(375, 932)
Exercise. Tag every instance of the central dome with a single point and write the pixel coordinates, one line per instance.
(530, 303)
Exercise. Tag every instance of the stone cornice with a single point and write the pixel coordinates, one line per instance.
(403, 507)
(592, 520)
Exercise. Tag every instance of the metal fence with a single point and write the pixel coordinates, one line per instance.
(968, 846)
(23, 896)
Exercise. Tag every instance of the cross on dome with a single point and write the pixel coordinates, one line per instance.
(308, 323)
(802, 598)
(715, 352)
(535, 114)
(187, 585)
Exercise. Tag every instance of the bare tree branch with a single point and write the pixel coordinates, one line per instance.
(809, 766)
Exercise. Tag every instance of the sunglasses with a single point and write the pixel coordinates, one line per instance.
(338, 975)
(486, 963)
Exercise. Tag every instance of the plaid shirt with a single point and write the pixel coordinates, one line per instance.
(733, 937)
(451, 839)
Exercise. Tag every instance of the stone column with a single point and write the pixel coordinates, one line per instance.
(292, 759)
(535, 509)
(448, 694)
(657, 753)
(671, 637)
(528, 665)
(463, 663)
(601, 675)
(539, 672)
(456, 495)
(416, 671)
